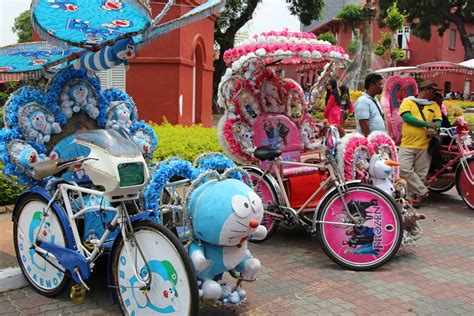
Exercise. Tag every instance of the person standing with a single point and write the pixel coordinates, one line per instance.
(346, 105)
(332, 112)
(421, 117)
(369, 114)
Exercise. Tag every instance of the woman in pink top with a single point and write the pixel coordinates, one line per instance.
(332, 113)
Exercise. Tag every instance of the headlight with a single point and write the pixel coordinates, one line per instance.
(131, 174)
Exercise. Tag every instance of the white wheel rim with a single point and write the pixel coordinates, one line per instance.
(166, 282)
(40, 273)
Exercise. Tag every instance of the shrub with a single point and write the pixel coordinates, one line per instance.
(331, 38)
(353, 46)
(185, 142)
(8, 191)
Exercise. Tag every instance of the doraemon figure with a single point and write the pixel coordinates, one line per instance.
(38, 125)
(76, 97)
(25, 155)
(119, 116)
(108, 57)
(224, 215)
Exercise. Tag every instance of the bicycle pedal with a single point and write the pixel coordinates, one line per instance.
(88, 245)
(78, 293)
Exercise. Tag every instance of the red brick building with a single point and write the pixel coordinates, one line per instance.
(172, 76)
(446, 48)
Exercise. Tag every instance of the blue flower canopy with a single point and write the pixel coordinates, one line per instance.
(32, 58)
(89, 23)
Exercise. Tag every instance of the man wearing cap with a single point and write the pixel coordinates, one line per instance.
(421, 117)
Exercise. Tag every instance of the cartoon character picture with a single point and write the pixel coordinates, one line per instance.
(120, 115)
(37, 123)
(225, 214)
(164, 280)
(271, 97)
(295, 105)
(38, 62)
(283, 132)
(361, 241)
(65, 6)
(143, 140)
(248, 105)
(6, 68)
(47, 234)
(112, 5)
(24, 155)
(361, 165)
(308, 135)
(272, 132)
(79, 95)
(120, 23)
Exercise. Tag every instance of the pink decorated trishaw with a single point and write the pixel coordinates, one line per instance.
(293, 160)
(453, 163)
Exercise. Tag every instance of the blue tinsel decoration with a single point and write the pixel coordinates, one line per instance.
(111, 95)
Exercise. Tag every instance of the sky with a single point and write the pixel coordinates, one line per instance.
(269, 15)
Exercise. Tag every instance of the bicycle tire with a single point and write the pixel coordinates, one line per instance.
(45, 278)
(463, 186)
(366, 248)
(444, 184)
(268, 221)
(173, 275)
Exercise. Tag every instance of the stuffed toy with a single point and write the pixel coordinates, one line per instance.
(24, 155)
(108, 57)
(37, 124)
(461, 127)
(224, 215)
(381, 173)
(308, 136)
(119, 116)
(76, 97)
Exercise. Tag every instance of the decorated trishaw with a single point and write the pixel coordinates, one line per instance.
(452, 164)
(267, 124)
(84, 158)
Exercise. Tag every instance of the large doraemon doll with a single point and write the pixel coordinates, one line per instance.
(224, 215)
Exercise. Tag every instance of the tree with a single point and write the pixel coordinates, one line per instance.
(23, 27)
(351, 15)
(423, 14)
(238, 12)
(388, 47)
(328, 36)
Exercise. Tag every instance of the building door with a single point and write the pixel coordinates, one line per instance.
(447, 87)
(197, 85)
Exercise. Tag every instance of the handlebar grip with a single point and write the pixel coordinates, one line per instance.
(62, 162)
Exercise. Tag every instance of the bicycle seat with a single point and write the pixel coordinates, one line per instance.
(263, 153)
(48, 168)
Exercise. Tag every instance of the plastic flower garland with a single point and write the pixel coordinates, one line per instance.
(181, 168)
(291, 47)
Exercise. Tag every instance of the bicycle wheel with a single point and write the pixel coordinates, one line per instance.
(44, 277)
(268, 194)
(363, 247)
(464, 187)
(442, 183)
(173, 289)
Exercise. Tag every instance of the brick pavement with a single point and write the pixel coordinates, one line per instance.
(435, 278)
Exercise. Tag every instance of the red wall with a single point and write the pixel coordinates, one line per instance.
(437, 49)
(163, 71)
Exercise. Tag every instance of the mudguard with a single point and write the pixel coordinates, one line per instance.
(58, 209)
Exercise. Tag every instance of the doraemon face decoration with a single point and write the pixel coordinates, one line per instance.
(225, 212)
(143, 141)
(125, 49)
(79, 93)
(24, 156)
(120, 114)
(38, 122)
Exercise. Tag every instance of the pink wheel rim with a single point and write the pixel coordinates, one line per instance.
(266, 195)
(466, 188)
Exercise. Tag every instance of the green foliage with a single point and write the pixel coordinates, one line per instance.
(394, 19)
(12, 86)
(331, 38)
(380, 50)
(353, 46)
(184, 142)
(397, 54)
(8, 191)
(439, 13)
(23, 27)
(386, 40)
(350, 14)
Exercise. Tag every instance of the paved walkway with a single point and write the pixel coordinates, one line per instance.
(435, 278)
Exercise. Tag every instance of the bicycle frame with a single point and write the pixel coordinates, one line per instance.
(334, 178)
(459, 152)
(122, 219)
